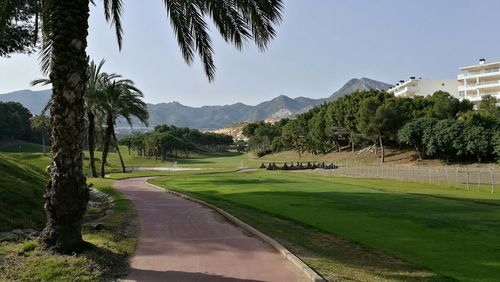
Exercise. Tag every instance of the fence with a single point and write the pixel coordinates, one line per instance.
(459, 177)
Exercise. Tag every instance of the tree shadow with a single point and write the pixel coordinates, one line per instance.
(113, 265)
(180, 276)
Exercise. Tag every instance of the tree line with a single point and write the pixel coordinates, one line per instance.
(167, 141)
(18, 123)
(436, 126)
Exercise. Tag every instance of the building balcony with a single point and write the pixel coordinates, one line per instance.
(480, 85)
(484, 73)
(477, 98)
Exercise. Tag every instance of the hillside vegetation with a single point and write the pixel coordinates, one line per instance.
(21, 190)
(435, 127)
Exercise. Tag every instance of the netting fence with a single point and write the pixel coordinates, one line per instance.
(469, 178)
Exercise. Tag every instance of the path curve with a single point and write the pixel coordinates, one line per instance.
(180, 240)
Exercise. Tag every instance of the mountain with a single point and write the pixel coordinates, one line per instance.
(209, 117)
(359, 84)
(34, 101)
(212, 117)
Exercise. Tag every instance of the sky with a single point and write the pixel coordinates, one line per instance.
(320, 45)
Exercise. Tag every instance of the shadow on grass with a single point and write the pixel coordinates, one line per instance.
(112, 265)
(430, 232)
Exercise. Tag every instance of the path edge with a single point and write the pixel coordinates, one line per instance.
(306, 269)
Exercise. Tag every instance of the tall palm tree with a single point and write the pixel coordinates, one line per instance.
(120, 98)
(42, 123)
(64, 41)
(95, 90)
(97, 79)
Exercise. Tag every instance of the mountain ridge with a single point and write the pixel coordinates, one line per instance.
(214, 116)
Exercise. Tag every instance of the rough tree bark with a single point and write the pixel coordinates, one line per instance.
(66, 194)
(91, 141)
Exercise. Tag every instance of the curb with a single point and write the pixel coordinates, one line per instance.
(308, 271)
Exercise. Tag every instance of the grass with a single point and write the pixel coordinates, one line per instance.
(25, 151)
(438, 233)
(22, 181)
(21, 190)
(360, 229)
(106, 259)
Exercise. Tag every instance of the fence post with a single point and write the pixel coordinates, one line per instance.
(478, 179)
(467, 173)
(447, 178)
(458, 187)
(438, 177)
(492, 181)
(430, 176)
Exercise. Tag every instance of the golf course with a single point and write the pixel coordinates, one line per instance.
(344, 228)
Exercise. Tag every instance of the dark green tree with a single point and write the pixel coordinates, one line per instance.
(477, 141)
(443, 105)
(15, 121)
(416, 132)
(446, 140)
(496, 145)
(489, 104)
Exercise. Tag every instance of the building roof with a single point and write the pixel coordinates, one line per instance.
(479, 66)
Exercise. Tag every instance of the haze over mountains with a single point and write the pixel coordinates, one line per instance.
(211, 117)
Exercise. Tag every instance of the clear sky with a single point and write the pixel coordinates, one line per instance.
(320, 45)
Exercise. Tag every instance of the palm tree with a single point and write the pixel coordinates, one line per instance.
(120, 98)
(95, 90)
(42, 123)
(97, 79)
(64, 40)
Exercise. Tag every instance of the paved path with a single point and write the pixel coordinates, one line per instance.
(180, 240)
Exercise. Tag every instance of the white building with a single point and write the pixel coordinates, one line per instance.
(424, 87)
(479, 80)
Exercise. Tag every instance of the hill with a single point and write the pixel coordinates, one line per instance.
(359, 84)
(21, 190)
(34, 101)
(213, 117)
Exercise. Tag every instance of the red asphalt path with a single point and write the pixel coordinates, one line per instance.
(180, 240)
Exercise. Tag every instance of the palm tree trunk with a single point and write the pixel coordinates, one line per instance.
(107, 141)
(91, 141)
(66, 194)
(118, 151)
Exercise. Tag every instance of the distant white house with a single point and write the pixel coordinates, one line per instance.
(424, 87)
(479, 80)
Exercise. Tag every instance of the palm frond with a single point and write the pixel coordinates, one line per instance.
(113, 10)
(238, 21)
(41, 81)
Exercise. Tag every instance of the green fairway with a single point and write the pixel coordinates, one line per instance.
(32, 153)
(453, 233)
